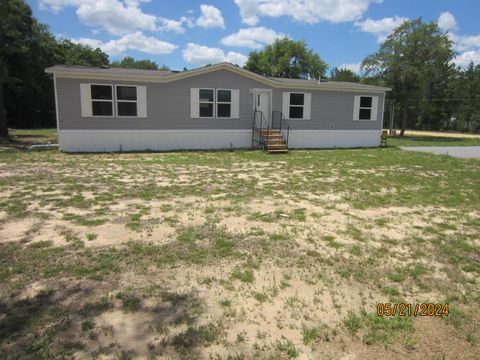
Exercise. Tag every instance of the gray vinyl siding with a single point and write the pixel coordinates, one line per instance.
(168, 106)
(331, 110)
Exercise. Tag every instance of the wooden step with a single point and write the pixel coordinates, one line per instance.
(275, 141)
(277, 147)
(271, 137)
(270, 131)
(278, 151)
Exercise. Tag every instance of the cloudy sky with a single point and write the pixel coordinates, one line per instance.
(192, 33)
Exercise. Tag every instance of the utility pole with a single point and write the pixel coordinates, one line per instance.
(392, 111)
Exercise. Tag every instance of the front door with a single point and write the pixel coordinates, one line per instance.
(263, 103)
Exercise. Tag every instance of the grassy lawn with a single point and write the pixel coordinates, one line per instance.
(237, 255)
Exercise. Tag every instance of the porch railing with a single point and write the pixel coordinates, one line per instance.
(259, 125)
(279, 122)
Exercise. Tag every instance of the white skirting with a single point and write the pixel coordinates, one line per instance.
(164, 140)
(155, 140)
(316, 139)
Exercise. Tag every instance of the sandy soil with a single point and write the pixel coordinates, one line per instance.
(440, 133)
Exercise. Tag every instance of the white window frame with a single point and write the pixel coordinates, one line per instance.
(207, 102)
(126, 101)
(223, 102)
(369, 108)
(102, 100)
(302, 106)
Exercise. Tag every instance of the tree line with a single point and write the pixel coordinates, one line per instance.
(26, 48)
(428, 91)
(416, 61)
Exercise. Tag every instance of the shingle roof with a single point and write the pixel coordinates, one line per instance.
(326, 83)
(107, 70)
(169, 76)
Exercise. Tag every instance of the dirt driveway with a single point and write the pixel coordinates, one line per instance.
(466, 152)
(440, 134)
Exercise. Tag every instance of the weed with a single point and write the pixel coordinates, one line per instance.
(130, 302)
(285, 348)
(246, 276)
(91, 236)
(352, 322)
(88, 324)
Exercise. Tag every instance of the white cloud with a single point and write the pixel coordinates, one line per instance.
(380, 28)
(134, 41)
(211, 17)
(465, 42)
(115, 16)
(253, 38)
(352, 67)
(175, 25)
(446, 21)
(464, 59)
(306, 11)
(201, 55)
(248, 11)
(467, 46)
(57, 5)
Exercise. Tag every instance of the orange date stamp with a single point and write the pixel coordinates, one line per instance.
(406, 309)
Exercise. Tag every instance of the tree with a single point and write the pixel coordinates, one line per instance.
(130, 63)
(287, 58)
(464, 86)
(344, 74)
(15, 28)
(69, 53)
(413, 59)
(27, 48)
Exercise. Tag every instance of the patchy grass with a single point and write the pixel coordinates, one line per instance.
(237, 255)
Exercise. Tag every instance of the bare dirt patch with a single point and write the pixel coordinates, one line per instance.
(214, 255)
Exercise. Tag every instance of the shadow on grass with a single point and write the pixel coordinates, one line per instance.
(21, 139)
(58, 323)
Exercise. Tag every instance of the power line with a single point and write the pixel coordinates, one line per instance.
(422, 100)
(419, 100)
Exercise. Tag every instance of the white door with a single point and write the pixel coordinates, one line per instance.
(263, 103)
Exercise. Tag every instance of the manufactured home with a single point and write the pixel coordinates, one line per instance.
(220, 106)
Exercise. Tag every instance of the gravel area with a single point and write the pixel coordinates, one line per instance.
(471, 152)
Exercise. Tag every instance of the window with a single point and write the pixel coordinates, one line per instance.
(102, 100)
(224, 103)
(297, 104)
(126, 100)
(214, 103)
(206, 102)
(365, 110)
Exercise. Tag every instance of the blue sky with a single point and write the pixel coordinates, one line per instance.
(187, 33)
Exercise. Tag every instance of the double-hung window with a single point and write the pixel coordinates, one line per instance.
(102, 100)
(297, 104)
(126, 100)
(365, 109)
(224, 103)
(206, 102)
(211, 103)
(109, 100)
